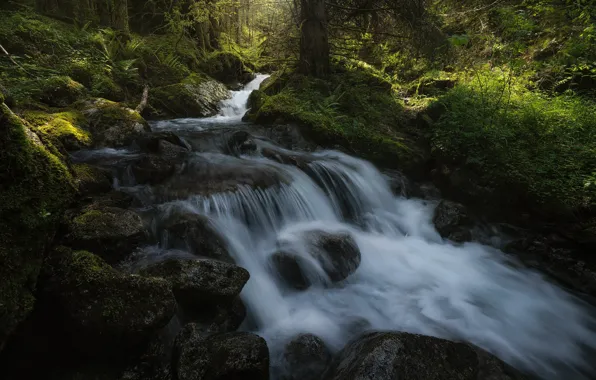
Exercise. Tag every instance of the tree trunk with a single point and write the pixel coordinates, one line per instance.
(314, 40)
(120, 15)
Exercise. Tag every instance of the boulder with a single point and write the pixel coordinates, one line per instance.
(102, 309)
(112, 124)
(306, 357)
(389, 356)
(194, 233)
(92, 179)
(55, 91)
(300, 161)
(337, 253)
(241, 142)
(228, 68)
(195, 96)
(35, 189)
(152, 169)
(111, 232)
(452, 221)
(200, 284)
(288, 268)
(67, 128)
(153, 142)
(231, 356)
(114, 198)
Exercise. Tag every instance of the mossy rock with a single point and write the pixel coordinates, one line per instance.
(104, 86)
(35, 187)
(69, 127)
(111, 232)
(91, 179)
(103, 310)
(228, 68)
(55, 91)
(112, 124)
(196, 96)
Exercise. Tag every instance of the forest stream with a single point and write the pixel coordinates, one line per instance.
(269, 195)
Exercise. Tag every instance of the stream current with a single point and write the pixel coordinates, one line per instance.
(409, 279)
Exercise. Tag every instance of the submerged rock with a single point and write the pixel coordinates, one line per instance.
(152, 169)
(306, 357)
(200, 284)
(452, 221)
(154, 142)
(241, 142)
(194, 233)
(195, 96)
(389, 356)
(102, 309)
(231, 356)
(112, 124)
(337, 253)
(289, 269)
(111, 232)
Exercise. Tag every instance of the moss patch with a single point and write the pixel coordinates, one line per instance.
(35, 187)
(67, 128)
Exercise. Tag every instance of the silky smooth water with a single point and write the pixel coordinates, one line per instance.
(410, 279)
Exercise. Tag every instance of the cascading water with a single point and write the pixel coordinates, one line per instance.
(409, 279)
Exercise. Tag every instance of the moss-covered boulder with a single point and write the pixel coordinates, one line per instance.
(110, 232)
(228, 68)
(54, 91)
(195, 96)
(102, 309)
(112, 124)
(68, 128)
(35, 187)
(91, 179)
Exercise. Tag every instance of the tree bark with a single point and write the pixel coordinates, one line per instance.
(314, 39)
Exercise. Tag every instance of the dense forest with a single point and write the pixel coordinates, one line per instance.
(486, 108)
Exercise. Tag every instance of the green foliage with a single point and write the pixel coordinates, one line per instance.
(539, 147)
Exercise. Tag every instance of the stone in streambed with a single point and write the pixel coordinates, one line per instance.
(152, 169)
(203, 288)
(389, 356)
(103, 309)
(306, 357)
(452, 221)
(241, 142)
(288, 267)
(153, 142)
(111, 232)
(231, 356)
(91, 179)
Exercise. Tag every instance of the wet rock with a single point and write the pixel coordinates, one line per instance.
(241, 142)
(306, 357)
(300, 161)
(152, 169)
(231, 356)
(389, 356)
(171, 151)
(228, 68)
(452, 221)
(114, 198)
(152, 364)
(337, 253)
(153, 142)
(195, 96)
(200, 284)
(91, 179)
(111, 232)
(112, 124)
(102, 309)
(289, 269)
(194, 233)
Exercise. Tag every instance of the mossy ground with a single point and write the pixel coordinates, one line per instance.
(354, 108)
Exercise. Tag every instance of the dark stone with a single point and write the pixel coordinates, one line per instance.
(152, 169)
(200, 284)
(114, 198)
(452, 221)
(92, 179)
(195, 233)
(306, 357)
(102, 310)
(231, 356)
(241, 142)
(288, 269)
(300, 161)
(337, 253)
(150, 143)
(389, 356)
(112, 233)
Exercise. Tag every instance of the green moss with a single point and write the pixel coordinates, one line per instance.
(523, 146)
(227, 67)
(353, 109)
(55, 91)
(36, 186)
(104, 86)
(67, 128)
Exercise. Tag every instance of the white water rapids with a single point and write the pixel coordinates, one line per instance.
(410, 279)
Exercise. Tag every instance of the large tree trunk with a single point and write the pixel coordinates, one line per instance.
(314, 40)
